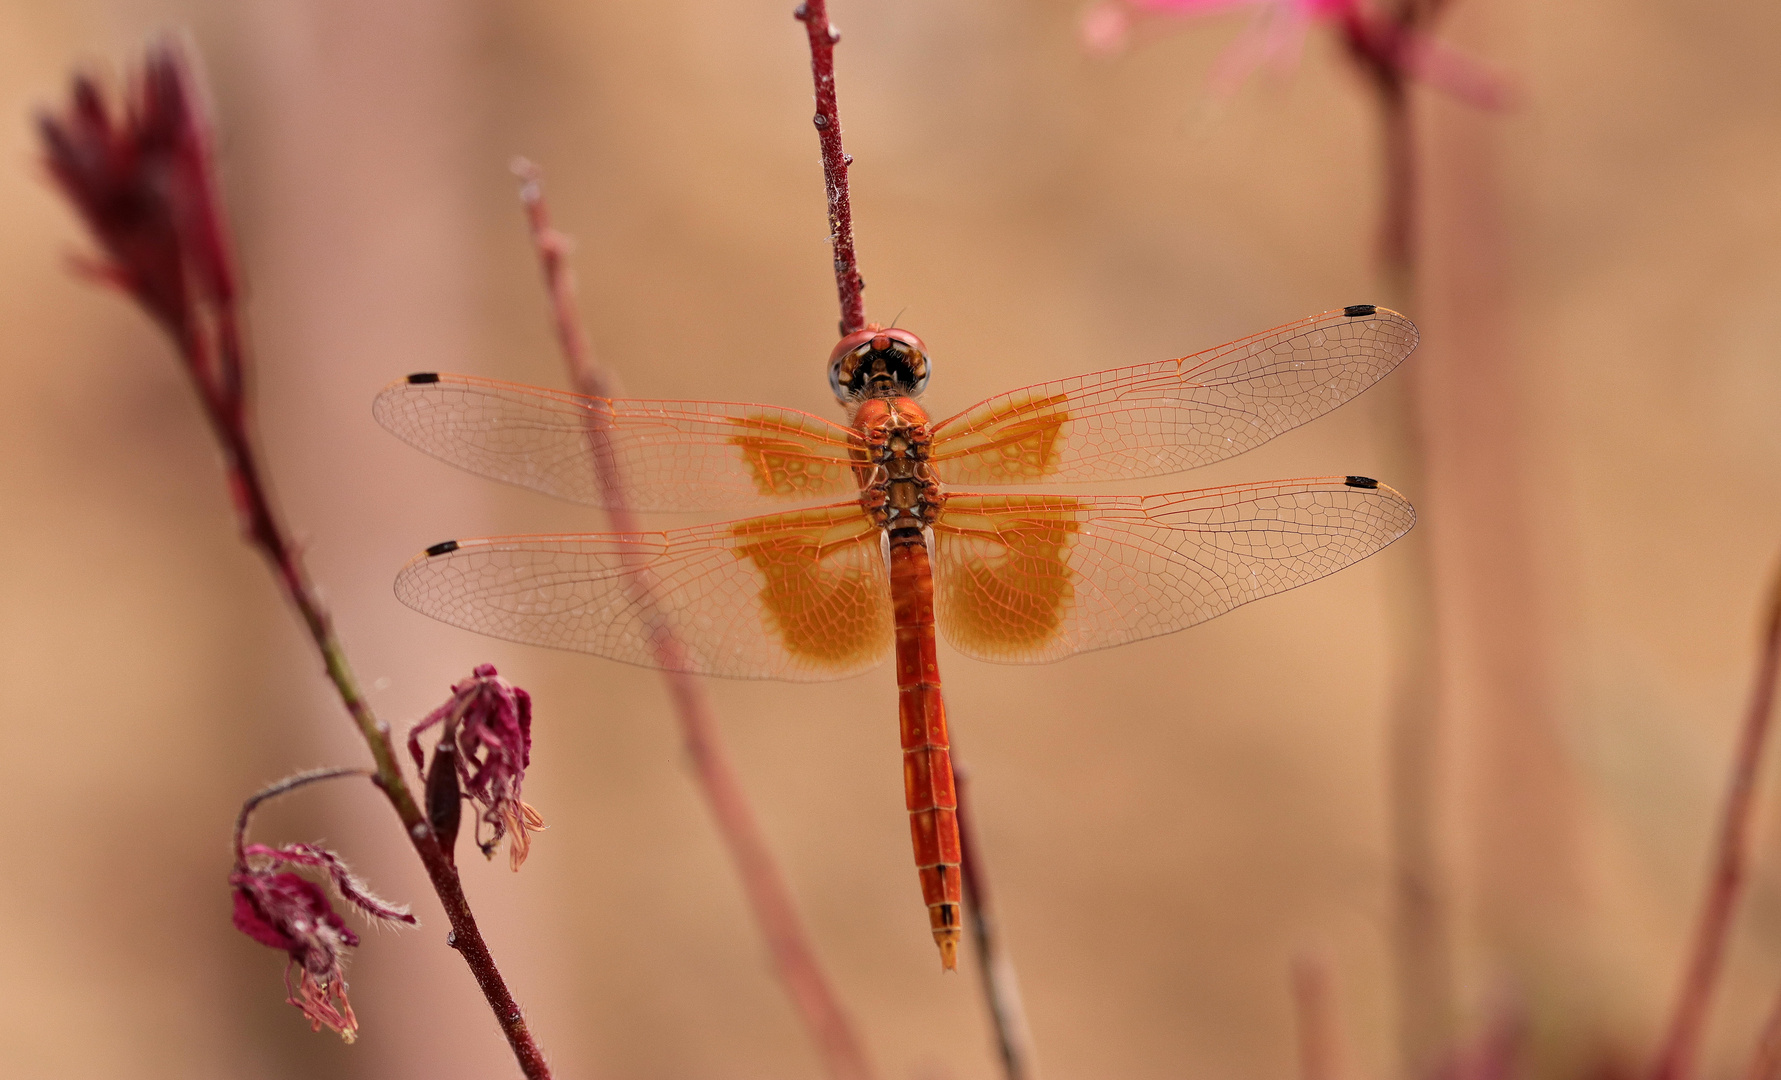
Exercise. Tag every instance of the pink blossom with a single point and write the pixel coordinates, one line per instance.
(1276, 36)
(488, 730)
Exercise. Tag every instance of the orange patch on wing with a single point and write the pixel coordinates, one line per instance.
(823, 583)
(783, 461)
(1016, 442)
(1004, 574)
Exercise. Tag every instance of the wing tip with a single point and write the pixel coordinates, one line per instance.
(444, 547)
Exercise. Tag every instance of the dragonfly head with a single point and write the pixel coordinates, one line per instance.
(878, 362)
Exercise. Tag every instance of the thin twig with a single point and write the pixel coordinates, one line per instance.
(768, 896)
(823, 38)
(1765, 1064)
(267, 533)
(1320, 1042)
(1676, 1058)
(273, 791)
(1014, 1037)
(147, 189)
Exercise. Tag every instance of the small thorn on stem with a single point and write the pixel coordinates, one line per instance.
(821, 120)
(800, 13)
(451, 938)
(847, 159)
(834, 34)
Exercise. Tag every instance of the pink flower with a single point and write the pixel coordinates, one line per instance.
(488, 731)
(1383, 44)
(286, 911)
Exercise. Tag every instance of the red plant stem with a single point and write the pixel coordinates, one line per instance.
(1320, 1056)
(768, 896)
(823, 37)
(1676, 1058)
(1377, 47)
(1014, 1038)
(227, 416)
(147, 189)
(1766, 1063)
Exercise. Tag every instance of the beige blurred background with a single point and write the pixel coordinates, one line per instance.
(1168, 824)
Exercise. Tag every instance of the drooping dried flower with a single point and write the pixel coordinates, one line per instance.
(488, 730)
(1385, 43)
(286, 911)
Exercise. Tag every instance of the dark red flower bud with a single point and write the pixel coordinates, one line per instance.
(285, 911)
(488, 724)
(141, 174)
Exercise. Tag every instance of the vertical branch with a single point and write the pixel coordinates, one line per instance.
(1014, 1038)
(823, 38)
(1676, 1058)
(768, 896)
(144, 180)
(1424, 979)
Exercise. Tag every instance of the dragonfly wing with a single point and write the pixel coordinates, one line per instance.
(1166, 417)
(670, 455)
(1034, 578)
(801, 596)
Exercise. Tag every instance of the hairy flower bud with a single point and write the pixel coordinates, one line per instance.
(283, 910)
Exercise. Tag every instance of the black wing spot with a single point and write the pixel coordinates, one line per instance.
(421, 377)
(1354, 311)
(445, 547)
(1359, 482)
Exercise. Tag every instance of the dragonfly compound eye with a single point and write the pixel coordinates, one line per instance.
(878, 362)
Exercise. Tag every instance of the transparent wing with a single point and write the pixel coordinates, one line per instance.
(802, 596)
(671, 455)
(1166, 417)
(1034, 578)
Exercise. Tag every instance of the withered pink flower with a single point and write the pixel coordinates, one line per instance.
(286, 911)
(488, 727)
(1277, 33)
(142, 176)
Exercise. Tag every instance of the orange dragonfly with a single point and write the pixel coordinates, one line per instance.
(829, 591)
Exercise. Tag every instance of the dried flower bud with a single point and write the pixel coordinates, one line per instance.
(488, 723)
(283, 910)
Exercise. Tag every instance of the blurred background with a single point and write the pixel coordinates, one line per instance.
(1168, 824)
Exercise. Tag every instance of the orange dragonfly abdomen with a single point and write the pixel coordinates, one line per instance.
(927, 758)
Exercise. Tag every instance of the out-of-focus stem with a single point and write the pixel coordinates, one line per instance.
(1014, 1038)
(1765, 1064)
(848, 283)
(1320, 1043)
(1422, 965)
(768, 896)
(1676, 1058)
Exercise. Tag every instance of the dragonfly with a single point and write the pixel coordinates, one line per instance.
(875, 533)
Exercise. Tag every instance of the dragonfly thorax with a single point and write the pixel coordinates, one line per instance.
(878, 362)
(896, 485)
